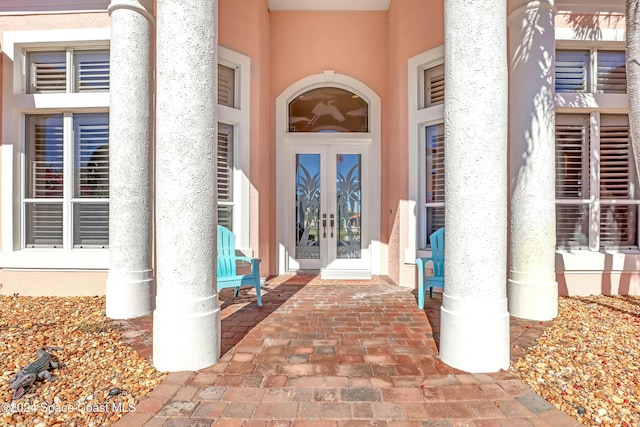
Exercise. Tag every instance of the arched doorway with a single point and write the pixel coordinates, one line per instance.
(328, 177)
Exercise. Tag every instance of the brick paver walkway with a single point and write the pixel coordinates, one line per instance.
(347, 354)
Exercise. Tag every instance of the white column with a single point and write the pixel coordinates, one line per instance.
(130, 278)
(533, 290)
(186, 320)
(474, 317)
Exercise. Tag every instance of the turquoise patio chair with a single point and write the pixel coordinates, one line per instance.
(437, 258)
(228, 263)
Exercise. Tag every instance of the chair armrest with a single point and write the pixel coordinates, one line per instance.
(422, 262)
(247, 259)
(255, 264)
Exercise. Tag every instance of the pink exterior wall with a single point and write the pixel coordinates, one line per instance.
(251, 38)
(51, 283)
(415, 26)
(351, 43)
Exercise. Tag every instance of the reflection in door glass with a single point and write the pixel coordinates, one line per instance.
(349, 206)
(307, 206)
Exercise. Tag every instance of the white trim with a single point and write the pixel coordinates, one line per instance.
(590, 7)
(14, 105)
(32, 7)
(240, 118)
(418, 119)
(328, 5)
(329, 78)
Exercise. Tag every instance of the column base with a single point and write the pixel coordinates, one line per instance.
(129, 294)
(186, 334)
(474, 334)
(533, 300)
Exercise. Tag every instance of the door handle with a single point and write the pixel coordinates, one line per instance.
(332, 223)
(324, 226)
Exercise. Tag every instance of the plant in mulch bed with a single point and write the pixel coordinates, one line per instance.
(101, 378)
(587, 363)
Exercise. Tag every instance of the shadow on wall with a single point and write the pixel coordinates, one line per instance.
(613, 278)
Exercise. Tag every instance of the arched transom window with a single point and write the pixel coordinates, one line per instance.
(328, 109)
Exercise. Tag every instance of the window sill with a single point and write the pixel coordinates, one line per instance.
(52, 259)
(584, 260)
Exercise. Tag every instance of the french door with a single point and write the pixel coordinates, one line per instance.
(328, 226)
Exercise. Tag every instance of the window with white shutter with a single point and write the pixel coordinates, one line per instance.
(572, 71)
(618, 213)
(91, 71)
(572, 181)
(225, 175)
(47, 72)
(91, 180)
(67, 165)
(234, 145)
(434, 86)
(434, 149)
(612, 72)
(428, 119)
(67, 71)
(226, 86)
(43, 203)
(596, 185)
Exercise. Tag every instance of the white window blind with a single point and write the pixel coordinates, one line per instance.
(91, 151)
(47, 179)
(44, 225)
(225, 175)
(434, 178)
(67, 71)
(572, 71)
(47, 72)
(595, 183)
(92, 155)
(226, 86)
(434, 86)
(618, 223)
(44, 181)
(572, 181)
(91, 71)
(612, 72)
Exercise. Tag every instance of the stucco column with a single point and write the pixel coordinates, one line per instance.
(533, 290)
(130, 279)
(474, 317)
(186, 320)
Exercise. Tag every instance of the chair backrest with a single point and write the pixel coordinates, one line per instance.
(226, 252)
(437, 249)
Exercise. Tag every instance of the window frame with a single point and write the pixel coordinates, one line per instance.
(421, 116)
(239, 118)
(593, 104)
(593, 200)
(17, 104)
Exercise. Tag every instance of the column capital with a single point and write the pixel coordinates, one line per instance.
(144, 7)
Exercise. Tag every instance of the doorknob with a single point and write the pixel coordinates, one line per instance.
(332, 223)
(324, 226)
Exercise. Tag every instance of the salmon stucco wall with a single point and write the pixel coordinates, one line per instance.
(244, 28)
(415, 26)
(51, 282)
(305, 43)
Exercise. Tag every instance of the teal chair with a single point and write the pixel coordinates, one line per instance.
(437, 258)
(228, 262)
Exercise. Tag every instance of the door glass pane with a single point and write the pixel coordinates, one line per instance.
(349, 206)
(307, 206)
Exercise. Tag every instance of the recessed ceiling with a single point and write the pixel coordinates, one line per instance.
(328, 4)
